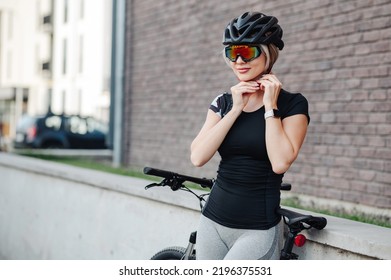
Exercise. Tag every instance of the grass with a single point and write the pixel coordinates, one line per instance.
(290, 202)
(88, 163)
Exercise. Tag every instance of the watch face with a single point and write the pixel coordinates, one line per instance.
(276, 113)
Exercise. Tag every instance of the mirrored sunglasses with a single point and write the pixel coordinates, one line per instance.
(247, 53)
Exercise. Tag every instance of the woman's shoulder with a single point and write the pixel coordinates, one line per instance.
(292, 103)
(221, 104)
(288, 97)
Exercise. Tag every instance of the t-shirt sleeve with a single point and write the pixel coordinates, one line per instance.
(295, 105)
(216, 105)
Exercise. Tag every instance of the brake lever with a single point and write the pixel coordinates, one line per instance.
(164, 182)
(153, 185)
(174, 183)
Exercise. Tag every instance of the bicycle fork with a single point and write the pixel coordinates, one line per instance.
(190, 247)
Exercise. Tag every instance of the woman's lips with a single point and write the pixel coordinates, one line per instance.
(243, 70)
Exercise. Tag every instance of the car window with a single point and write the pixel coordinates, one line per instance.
(53, 122)
(25, 122)
(77, 125)
(95, 125)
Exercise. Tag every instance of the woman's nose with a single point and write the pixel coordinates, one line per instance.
(240, 60)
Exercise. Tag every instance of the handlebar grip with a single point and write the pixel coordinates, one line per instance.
(206, 183)
(285, 187)
(158, 172)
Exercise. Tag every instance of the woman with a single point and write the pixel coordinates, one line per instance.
(258, 130)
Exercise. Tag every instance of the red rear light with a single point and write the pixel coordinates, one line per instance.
(300, 240)
(31, 133)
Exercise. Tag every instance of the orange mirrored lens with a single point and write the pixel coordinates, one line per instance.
(247, 53)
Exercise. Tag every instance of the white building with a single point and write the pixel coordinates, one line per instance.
(82, 57)
(54, 54)
(25, 56)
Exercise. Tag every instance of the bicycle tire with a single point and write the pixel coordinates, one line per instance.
(171, 253)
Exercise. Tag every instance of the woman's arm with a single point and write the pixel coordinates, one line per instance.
(211, 135)
(283, 137)
(284, 140)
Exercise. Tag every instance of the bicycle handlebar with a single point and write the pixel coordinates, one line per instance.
(203, 182)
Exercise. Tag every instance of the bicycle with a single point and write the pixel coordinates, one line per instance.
(295, 221)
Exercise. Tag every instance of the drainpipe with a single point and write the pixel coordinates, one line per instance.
(117, 81)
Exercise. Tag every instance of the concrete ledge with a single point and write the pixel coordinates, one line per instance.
(56, 211)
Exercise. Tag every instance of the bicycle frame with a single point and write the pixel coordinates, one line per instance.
(295, 222)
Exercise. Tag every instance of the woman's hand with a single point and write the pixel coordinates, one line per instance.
(271, 87)
(241, 93)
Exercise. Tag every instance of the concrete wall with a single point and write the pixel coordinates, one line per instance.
(55, 211)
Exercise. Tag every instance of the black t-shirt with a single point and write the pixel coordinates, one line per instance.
(247, 191)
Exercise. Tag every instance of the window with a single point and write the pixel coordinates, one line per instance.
(65, 11)
(49, 99)
(81, 53)
(9, 65)
(81, 9)
(10, 25)
(80, 100)
(64, 57)
(53, 122)
(64, 96)
(38, 60)
(77, 125)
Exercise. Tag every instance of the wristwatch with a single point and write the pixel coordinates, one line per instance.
(275, 113)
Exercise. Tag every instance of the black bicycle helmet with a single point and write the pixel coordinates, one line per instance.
(253, 29)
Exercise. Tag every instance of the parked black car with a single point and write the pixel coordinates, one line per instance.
(60, 132)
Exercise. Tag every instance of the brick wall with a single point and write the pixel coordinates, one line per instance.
(337, 53)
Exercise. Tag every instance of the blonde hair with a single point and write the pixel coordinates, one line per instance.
(271, 52)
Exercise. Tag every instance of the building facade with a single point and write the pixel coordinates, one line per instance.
(55, 56)
(81, 61)
(337, 54)
(25, 58)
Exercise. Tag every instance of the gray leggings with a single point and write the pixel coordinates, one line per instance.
(217, 242)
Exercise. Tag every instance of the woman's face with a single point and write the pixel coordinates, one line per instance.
(248, 71)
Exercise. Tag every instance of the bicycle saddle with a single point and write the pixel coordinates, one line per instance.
(294, 219)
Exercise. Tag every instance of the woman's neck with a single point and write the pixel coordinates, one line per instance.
(255, 102)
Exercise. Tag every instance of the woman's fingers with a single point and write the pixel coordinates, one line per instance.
(272, 79)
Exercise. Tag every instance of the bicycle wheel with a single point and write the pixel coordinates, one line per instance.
(171, 253)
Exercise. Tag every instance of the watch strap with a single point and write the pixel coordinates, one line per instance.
(274, 113)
